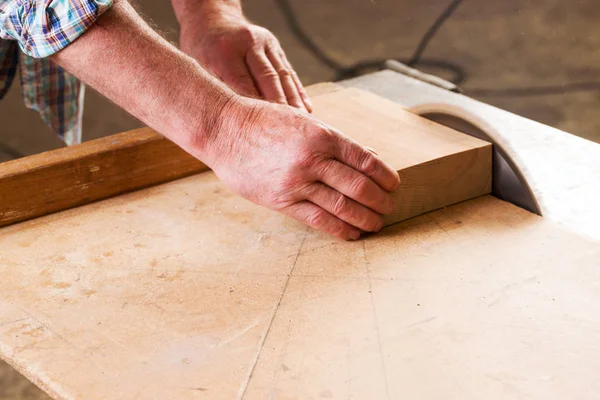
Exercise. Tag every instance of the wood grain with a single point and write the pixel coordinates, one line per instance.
(64, 178)
(438, 166)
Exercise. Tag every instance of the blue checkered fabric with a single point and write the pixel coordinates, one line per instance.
(31, 31)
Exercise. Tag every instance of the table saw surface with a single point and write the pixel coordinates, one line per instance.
(185, 290)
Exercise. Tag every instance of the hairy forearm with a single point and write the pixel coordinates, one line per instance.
(126, 61)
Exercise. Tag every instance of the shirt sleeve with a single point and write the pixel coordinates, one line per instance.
(43, 27)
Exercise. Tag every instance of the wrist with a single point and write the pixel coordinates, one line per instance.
(219, 126)
(201, 15)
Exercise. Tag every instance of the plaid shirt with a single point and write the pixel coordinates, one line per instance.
(41, 28)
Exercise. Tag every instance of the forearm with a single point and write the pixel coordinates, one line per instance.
(126, 61)
(201, 13)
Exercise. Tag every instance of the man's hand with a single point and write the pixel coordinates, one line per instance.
(245, 56)
(274, 155)
(292, 163)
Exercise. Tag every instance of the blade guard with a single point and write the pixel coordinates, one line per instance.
(508, 181)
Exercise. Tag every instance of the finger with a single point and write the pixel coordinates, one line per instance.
(367, 162)
(298, 82)
(239, 79)
(266, 78)
(356, 185)
(285, 76)
(344, 208)
(313, 215)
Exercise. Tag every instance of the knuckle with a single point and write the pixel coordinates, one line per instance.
(294, 185)
(316, 144)
(368, 163)
(341, 206)
(323, 167)
(274, 42)
(275, 201)
(307, 159)
(322, 138)
(248, 35)
(315, 141)
(287, 191)
(269, 73)
(271, 44)
(284, 72)
(317, 218)
(359, 187)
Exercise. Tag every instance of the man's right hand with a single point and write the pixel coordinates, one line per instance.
(290, 162)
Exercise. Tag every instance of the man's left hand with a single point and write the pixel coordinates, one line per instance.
(246, 57)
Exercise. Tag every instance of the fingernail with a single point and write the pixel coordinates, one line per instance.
(354, 235)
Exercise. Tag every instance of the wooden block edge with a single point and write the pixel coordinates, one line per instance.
(474, 173)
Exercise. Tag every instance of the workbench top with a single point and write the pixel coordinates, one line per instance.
(185, 290)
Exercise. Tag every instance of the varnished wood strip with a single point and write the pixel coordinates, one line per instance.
(60, 179)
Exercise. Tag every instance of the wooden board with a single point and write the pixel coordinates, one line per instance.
(64, 178)
(187, 291)
(438, 166)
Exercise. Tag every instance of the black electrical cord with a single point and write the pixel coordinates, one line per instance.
(459, 74)
(432, 31)
(345, 72)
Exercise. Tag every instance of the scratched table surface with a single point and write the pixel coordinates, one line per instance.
(185, 290)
